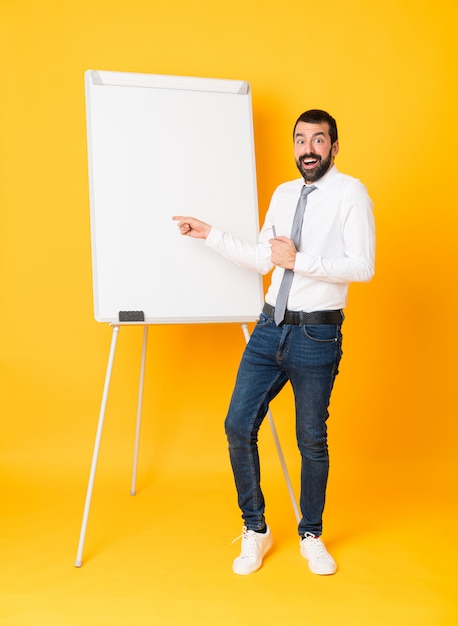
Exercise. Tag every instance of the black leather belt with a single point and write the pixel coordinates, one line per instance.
(301, 317)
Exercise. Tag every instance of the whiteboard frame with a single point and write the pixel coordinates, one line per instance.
(245, 286)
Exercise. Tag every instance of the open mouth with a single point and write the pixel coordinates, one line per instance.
(309, 162)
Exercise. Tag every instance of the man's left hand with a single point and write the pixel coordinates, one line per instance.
(283, 252)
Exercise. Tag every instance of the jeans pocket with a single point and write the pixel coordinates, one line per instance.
(322, 333)
(263, 320)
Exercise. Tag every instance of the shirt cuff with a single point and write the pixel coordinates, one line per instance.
(301, 264)
(214, 238)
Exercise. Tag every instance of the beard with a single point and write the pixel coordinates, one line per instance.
(312, 175)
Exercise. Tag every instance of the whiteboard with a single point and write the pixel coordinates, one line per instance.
(160, 146)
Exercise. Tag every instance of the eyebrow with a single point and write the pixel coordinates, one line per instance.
(318, 133)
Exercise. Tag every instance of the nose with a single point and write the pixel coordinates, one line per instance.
(307, 147)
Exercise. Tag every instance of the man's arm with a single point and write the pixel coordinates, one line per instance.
(253, 256)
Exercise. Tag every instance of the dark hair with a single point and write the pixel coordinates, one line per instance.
(316, 116)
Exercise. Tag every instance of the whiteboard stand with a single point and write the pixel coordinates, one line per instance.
(134, 123)
(133, 488)
(98, 438)
(95, 454)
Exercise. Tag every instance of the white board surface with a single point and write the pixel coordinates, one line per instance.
(160, 146)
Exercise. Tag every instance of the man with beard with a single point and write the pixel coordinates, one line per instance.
(334, 246)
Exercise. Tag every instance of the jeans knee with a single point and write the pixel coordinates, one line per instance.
(313, 448)
(237, 433)
(232, 432)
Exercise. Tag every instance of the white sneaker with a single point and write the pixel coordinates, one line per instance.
(254, 547)
(320, 561)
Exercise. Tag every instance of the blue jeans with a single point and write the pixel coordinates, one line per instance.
(307, 355)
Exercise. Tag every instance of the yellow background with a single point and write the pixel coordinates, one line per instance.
(387, 72)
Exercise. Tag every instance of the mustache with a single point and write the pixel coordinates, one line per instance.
(310, 156)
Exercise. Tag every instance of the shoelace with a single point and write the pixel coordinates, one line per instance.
(249, 544)
(316, 547)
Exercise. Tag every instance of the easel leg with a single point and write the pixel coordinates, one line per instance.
(133, 488)
(95, 454)
(279, 450)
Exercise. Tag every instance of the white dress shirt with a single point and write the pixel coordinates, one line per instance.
(337, 243)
